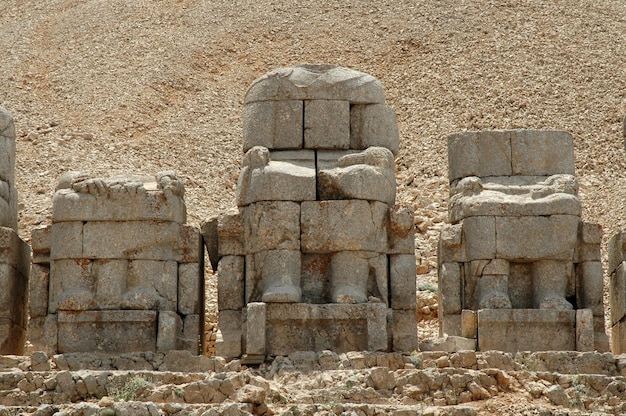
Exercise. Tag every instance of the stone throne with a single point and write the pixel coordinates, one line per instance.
(118, 270)
(518, 268)
(316, 256)
(14, 252)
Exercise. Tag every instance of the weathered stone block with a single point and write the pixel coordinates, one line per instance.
(589, 240)
(189, 246)
(280, 176)
(273, 276)
(273, 124)
(404, 330)
(40, 240)
(542, 152)
(402, 281)
(255, 334)
(151, 284)
(169, 331)
(208, 229)
(230, 283)
(42, 333)
(14, 251)
(230, 233)
(109, 277)
(12, 337)
(107, 331)
(190, 289)
(486, 153)
(192, 330)
(529, 238)
(513, 330)
(616, 250)
(228, 343)
(66, 240)
(450, 325)
(271, 225)
(71, 285)
(469, 324)
(38, 290)
(401, 232)
(315, 278)
(306, 327)
(449, 286)
(326, 124)
(617, 293)
(479, 234)
(450, 248)
(330, 226)
(590, 286)
(584, 330)
(357, 275)
(374, 125)
(618, 337)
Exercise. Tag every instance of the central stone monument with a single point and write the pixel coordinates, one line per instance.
(316, 256)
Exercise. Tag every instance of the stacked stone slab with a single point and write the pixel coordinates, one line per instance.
(14, 252)
(617, 284)
(518, 268)
(316, 256)
(118, 270)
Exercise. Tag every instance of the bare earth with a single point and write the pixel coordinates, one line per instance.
(112, 87)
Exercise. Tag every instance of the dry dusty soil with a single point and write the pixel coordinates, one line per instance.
(110, 87)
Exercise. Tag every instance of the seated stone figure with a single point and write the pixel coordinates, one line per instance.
(516, 239)
(316, 222)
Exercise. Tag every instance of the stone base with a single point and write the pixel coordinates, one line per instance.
(112, 332)
(618, 337)
(291, 327)
(513, 330)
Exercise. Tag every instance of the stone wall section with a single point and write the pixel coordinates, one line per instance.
(118, 270)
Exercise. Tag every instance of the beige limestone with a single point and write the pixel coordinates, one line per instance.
(374, 125)
(271, 225)
(273, 124)
(326, 124)
(230, 283)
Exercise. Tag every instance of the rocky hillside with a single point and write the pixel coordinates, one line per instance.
(110, 87)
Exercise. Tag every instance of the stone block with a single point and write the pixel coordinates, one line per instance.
(450, 248)
(584, 330)
(542, 152)
(367, 175)
(469, 324)
(192, 330)
(66, 240)
(190, 289)
(72, 285)
(14, 251)
(600, 338)
(479, 235)
(450, 285)
(255, 333)
(512, 330)
(228, 343)
(617, 293)
(7, 145)
(111, 332)
(273, 124)
(450, 325)
(531, 238)
(42, 334)
(230, 233)
(151, 284)
(306, 327)
(189, 245)
(449, 344)
(280, 176)
(145, 203)
(349, 225)
(135, 240)
(401, 232)
(208, 229)
(12, 337)
(374, 125)
(357, 275)
(38, 290)
(404, 330)
(315, 278)
(230, 283)
(110, 282)
(616, 250)
(316, 82)
(326, 124)
(590, 286)
(40, 240)
(169, 331)
(618, 337)
(486, 153)
(271, 225)
(14, 295)
(402, 281)
(273, 276)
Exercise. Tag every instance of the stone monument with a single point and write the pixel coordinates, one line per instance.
(518, 268)
(118, 270)
(316, 256)
(15, 253)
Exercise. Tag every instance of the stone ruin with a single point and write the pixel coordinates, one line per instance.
(118, 270)
(14, 252)
(316, 256)
(518, 268)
